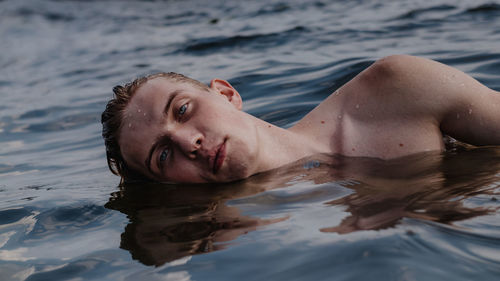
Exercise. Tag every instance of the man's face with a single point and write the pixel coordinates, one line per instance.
(177, 132)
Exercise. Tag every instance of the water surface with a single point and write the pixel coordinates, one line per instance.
(63, 216)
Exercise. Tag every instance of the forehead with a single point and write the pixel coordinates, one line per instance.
(150, 96)
(143, 117)
(156, 88)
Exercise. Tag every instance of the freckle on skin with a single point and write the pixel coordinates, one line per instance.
(322, 122)
(269, 126)
(401, 145)
(353, 149)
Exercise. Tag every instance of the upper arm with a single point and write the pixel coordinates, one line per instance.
(422, 89)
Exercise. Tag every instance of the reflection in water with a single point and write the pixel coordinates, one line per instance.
(428, 187)
(168, 222)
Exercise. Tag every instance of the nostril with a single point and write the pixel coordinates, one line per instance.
(198, 141)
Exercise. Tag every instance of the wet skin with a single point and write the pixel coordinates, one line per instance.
(402, 105)
(398, 106)
(172, 132)
(177, 132)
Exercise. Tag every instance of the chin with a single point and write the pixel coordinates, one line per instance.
(237, 172)
(240, 163)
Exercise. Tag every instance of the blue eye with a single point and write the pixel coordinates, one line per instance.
(183, 109)
(164, 155)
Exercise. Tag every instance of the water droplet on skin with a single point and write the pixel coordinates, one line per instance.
(339, 117)
(336, 93)
(129, 125)
(470, 110)
(458, 115)
(144, 113)
(357, 106)
(138, 110)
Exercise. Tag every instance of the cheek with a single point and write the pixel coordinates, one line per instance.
(232, 119)
(217, 114)
(184, 171)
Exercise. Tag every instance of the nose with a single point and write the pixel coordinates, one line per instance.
(189, 141)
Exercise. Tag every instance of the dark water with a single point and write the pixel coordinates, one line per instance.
(63, 216)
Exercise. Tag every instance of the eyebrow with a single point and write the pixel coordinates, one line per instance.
(158, 139)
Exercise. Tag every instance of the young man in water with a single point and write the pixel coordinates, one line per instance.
(170, 128)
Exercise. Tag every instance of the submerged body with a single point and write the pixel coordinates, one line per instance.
(174, 131)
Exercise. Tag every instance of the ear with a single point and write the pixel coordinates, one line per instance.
(224, 88)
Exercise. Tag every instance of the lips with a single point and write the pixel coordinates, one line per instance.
(220, 155)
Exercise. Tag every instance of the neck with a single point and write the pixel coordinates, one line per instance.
(278, 146)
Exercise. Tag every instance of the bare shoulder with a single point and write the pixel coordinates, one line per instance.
(430, 91)
(402, 104)
(397, 86)
(400, 65)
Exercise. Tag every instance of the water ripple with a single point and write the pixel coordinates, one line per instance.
(60, 60)
(417, 13)
(67, 219)
(211, 44)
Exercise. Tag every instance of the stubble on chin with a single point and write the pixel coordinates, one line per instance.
(242, 158)
(237, 168)
(240, 161)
